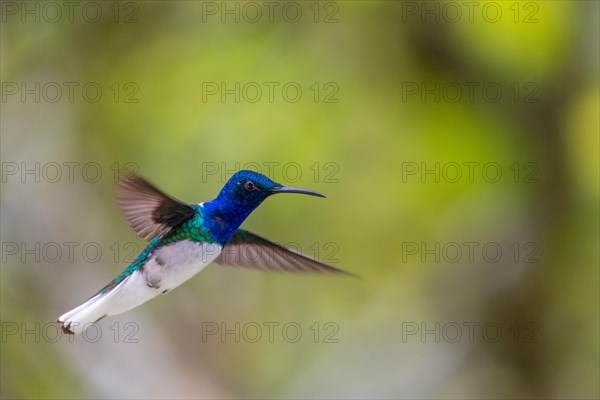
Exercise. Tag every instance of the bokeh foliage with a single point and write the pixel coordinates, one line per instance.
(373, 51)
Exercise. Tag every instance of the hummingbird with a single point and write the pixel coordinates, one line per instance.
(184, 239)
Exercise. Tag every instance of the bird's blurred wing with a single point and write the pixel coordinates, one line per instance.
(149, 211)
(246, 249)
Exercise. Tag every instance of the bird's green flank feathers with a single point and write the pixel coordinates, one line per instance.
(192, 229)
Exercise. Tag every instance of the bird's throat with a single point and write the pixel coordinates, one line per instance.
(223, 220)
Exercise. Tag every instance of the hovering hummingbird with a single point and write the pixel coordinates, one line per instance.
(184, 239)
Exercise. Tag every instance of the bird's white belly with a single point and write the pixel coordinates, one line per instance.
(173, 264)
(167, 268)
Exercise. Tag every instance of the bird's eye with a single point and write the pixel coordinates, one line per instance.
(249, 186)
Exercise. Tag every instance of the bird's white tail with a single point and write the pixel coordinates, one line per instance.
(129, 293)
(80, 318)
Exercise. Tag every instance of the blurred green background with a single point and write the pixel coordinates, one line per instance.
(379, 106)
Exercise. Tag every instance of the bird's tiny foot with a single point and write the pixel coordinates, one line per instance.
(154, 284)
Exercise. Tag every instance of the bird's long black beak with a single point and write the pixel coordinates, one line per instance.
(291, 189)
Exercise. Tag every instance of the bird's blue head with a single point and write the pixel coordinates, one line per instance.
(242, 193)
